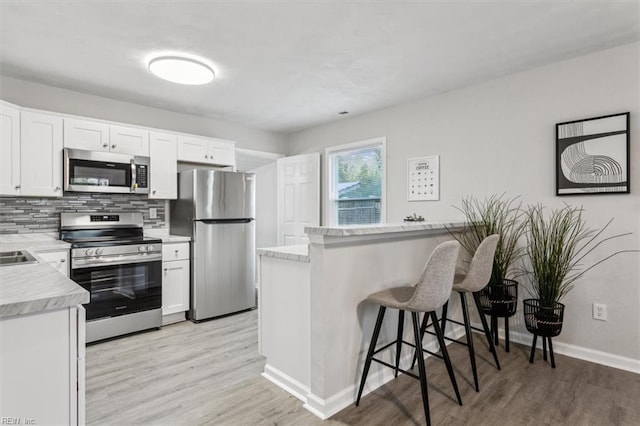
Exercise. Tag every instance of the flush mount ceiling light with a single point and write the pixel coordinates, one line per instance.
(181, 70)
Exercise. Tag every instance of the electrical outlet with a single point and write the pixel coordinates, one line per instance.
(599, 311)
(153, 213)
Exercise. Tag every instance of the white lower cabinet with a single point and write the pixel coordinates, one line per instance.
(176, 273)
(57, 259)
(42, 367)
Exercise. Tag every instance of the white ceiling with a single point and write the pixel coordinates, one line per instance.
(285, 65)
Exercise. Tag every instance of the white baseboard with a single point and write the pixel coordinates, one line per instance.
(325, 408)
(574, 351)
(286, 382)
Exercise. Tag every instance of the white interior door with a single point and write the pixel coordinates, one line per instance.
(298, 197)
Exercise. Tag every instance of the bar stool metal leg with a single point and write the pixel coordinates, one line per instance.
(467, 329)
(445, 355)
(372, 348)
(444, 316)
(399, 341)
(485, 327)
(421, 369)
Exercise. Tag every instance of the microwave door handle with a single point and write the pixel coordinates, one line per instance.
(133, 176)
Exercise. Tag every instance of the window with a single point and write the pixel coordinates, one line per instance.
(356, 183)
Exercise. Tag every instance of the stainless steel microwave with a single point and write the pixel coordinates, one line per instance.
(94, 171)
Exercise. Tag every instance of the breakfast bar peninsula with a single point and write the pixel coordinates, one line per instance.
(314, 328)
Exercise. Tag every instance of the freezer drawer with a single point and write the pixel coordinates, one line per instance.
(223, 269)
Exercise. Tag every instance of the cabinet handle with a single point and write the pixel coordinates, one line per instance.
(172, 269)
(154, 191)
(17, 186)
(206, 156)
(113, 146)
(57, 188)
(63, 260)
(105, 145)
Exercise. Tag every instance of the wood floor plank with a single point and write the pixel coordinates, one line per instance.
(209, 374)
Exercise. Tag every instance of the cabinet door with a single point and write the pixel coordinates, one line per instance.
(163, 150)
(38, 359)
(193, 150)
(85, 134)
(129, 140)
(58, 259)
(175, 287)
(9, 149)
(40, 155)
(222, 153)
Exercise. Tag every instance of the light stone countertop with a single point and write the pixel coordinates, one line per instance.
(360, 230)
(297, 253)
(38, 242)
(164, 235)
(32, 288)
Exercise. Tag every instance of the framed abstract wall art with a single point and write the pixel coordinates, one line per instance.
(592, 156)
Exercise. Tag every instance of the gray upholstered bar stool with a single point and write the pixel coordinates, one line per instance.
(431, 292)
(472, 282)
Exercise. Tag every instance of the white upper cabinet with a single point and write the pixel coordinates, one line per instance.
(9, 149)
(193, 150)
(129, 140)
(86, 134)
(40, 155)
(163, 149)
(98, 136)
(222, 152)
(206, 151)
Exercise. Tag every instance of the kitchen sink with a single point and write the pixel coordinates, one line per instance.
(17, 257)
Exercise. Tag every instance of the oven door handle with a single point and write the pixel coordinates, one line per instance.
(115, 260)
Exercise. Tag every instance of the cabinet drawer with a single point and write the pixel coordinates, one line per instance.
(175, 251)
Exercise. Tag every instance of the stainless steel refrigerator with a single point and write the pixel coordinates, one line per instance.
(217, 210)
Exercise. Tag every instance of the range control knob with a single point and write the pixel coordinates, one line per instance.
(149, 248)
(99, 251)
(142, 249)
(88, 252)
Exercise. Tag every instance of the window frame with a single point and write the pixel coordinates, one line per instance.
(330, 197)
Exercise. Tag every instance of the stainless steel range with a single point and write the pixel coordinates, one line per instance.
(121, 269)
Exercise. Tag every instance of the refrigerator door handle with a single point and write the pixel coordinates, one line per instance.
(221, 221)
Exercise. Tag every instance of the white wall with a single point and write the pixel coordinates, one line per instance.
(34, 95)
(499, 136)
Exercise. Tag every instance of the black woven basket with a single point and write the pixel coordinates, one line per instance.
(541, 320)
(500, 300)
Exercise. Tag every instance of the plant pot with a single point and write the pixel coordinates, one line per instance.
(500, 300)
(541, 320)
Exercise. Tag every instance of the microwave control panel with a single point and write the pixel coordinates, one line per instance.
(142, 176)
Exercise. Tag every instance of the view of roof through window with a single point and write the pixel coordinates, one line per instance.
(358, 185)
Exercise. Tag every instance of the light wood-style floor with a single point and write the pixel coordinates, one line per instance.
(209, 373)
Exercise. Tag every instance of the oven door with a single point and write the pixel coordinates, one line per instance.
(121, 289)
(89, 171)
